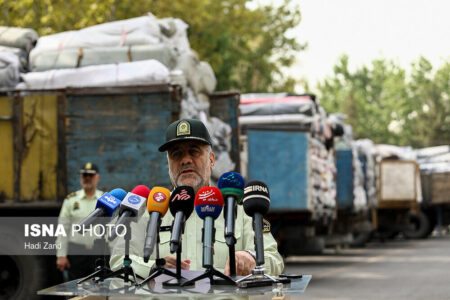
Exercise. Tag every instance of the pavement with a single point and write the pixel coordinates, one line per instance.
(395, 269)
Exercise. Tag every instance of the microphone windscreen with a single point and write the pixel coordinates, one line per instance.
(141, 190)
(256, 198)
(118, 193)
(208, 202)
(182, 199)
(158, 200)
(232, 184)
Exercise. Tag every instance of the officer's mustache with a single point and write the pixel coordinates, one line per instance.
(188, 167)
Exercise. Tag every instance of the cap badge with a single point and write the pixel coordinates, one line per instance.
(88, 166)
(183, 128)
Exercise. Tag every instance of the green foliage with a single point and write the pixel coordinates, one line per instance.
(386, 105)
(246, 47)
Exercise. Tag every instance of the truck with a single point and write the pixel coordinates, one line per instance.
(434, 164)
(284, 144)
(48, 134)
(399, 200)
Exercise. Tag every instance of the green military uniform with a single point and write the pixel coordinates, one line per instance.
(192, 244)
(75, 208)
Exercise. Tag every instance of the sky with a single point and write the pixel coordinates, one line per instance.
(401, 30)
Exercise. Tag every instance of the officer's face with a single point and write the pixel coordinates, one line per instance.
(190, 163)
(89, 181)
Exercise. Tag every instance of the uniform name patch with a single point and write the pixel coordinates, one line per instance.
(266, 226)
(165, 228)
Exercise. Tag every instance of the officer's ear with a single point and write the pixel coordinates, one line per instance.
(212, 159)
(97, 178)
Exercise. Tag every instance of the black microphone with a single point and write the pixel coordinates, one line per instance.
(256, 202)
(181, 206)
(231, 184)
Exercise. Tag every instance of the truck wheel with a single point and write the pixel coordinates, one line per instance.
(419, 226)
(21, 277)
(362, 232)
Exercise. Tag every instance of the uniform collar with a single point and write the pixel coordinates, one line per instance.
(83, 195)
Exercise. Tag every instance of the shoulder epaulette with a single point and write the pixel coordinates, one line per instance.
(71, 195)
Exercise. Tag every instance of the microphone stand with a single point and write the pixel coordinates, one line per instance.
(126, 269)
(178, 280)
(159, 262)
(231, 241)
(258, 277)
(100, 271)
(208, 258)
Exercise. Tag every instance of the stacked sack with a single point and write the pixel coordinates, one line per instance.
(303, 113)
(344, 141)
(366, 148)
(323, 172)
(15, 46)
(137, 51)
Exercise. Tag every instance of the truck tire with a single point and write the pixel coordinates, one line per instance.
(21, 277)
(362, 232)
(419, 226)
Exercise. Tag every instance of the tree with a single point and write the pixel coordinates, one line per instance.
(386, 105)
(245, 46)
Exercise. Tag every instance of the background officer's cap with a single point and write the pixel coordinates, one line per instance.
(89, 168)
(185, 130)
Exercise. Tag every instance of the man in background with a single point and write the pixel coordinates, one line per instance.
(77, 206)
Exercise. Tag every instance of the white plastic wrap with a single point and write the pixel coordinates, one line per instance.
(135, 31)
(134, 73)
(9, 70)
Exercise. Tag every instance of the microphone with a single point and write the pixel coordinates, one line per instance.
(231, 184)
(181, 206)
(208, 205)
(131, 208)
(256, 202)
(157, 206)
(106, 206)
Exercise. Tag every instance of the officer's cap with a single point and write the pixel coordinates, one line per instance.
(186, 130)
(89, 168)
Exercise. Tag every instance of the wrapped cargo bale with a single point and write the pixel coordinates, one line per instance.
(177, 77)
(360, 199)
(23, 38)
(191, 107)
(9, 70)
(199, 74)
(134, 73)
(174, 33)
(136, 31)
(21, 54)
(74, 58)
(394, 152)
(322, 178)
(305, 107)
(365, 149)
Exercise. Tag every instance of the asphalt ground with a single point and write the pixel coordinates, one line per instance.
(395, 269)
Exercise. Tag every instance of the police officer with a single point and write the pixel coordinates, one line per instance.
(78, 205)
(191, 160)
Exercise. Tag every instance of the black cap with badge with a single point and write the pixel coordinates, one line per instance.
(186, 130)
(89, 168)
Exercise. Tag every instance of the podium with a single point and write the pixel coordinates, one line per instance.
(115, 288)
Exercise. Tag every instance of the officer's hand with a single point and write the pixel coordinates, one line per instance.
(171, 262)
(62, 263)
(245, 263)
